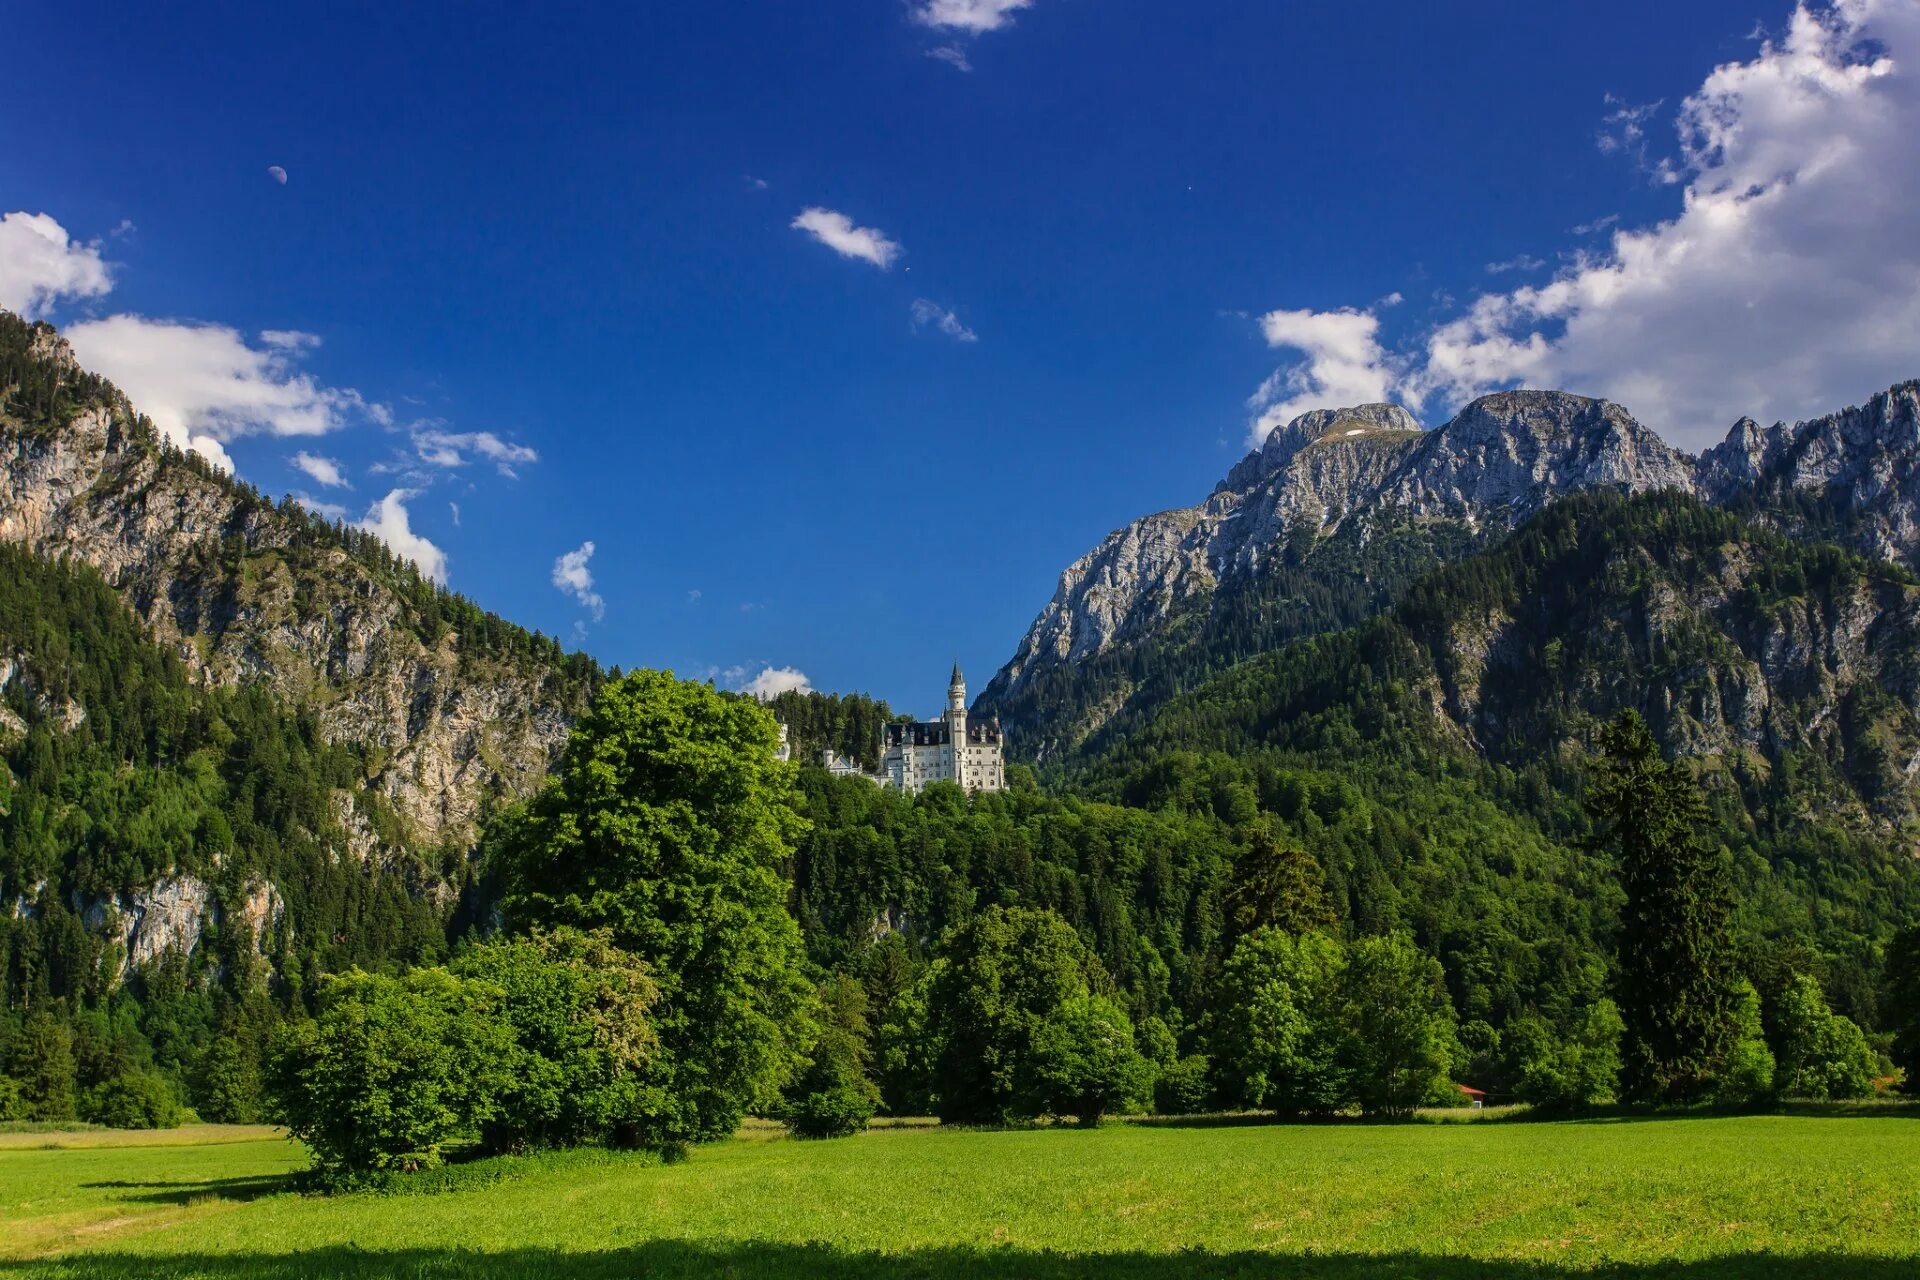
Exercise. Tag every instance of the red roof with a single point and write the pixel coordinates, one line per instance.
(1470, 1091)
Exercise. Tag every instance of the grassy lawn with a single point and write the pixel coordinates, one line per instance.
(1827, 1197)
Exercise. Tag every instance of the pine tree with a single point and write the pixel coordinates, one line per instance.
(1275, 885)
(1677, 982)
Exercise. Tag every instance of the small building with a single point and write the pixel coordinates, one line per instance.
(955, 748)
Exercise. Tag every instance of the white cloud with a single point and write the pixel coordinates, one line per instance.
(1519, 262)
(1788, 283)
(837, 232)
(572, 576)
(970, 16)
(927, 313)
(292, 341)
(202, 384)
(438, 447)
(1344, 365)
(951, 54)
(388, 520)
(322, 470)
(693, 596)
(40, 263)
(453, 509)
(773, 681)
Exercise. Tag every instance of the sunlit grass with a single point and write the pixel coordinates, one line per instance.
(1805, 1195)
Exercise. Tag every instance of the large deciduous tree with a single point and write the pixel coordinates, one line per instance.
(668, 823)
(1678, 985)
(1278, 1037)
(1005, 973)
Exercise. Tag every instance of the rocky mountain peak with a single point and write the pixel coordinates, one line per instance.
(1285, 442)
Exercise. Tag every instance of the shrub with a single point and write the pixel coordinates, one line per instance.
(834, 1095)
(1186, 1087)
(579, 1011)
(391, 1071)
(137, 1100)
(13, 1102)
(1083, 1063)
(1556, 1070)
(1745, 1075)
(1822, 1054)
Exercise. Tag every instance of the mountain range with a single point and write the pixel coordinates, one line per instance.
(231, 730)
(1340, 511)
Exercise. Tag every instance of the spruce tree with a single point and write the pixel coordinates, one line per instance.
(1275, 885)
(1678, 987)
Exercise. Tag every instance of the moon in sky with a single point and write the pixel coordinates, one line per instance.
(278, 174)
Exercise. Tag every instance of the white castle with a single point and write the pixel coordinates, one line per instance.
(954, 748)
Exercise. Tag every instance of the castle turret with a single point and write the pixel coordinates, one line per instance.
(957, 724)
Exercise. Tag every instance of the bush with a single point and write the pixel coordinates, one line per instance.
(578, 1009)
(1186, 1087)
(1822, 1054)
(834, 1095)
(1745, 1077)
(391, 1071)
(1084, 1063)
(13, 1103)
(137, 1100)
(1565, 1071)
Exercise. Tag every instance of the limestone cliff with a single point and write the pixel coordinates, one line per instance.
(1339, 509)
(250, 592)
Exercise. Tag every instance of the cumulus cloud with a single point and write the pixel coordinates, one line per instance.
(321, 470)
(969, 16)
(572, 576)
(773, 681)
(438, 447)
(932, 314)
(389, 521)
(203, 384)
(1342, 364)
(838, 232)
(40, 263)
(1788, 283)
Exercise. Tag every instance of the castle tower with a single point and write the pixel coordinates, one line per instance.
(957, 724)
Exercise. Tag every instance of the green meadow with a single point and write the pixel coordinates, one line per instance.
(1832, 1196)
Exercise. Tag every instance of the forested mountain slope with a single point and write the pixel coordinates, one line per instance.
(1339, 511)
(453, 706)
(1789, 672)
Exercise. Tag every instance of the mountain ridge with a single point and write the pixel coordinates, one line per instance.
(1331, 481)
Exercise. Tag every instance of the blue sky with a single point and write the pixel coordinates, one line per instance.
(545, 268)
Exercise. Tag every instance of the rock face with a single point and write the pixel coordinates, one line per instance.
(1343, 477)
(248, 593)
(1862, 464)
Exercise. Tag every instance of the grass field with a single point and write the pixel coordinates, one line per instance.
(1807, 1197)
